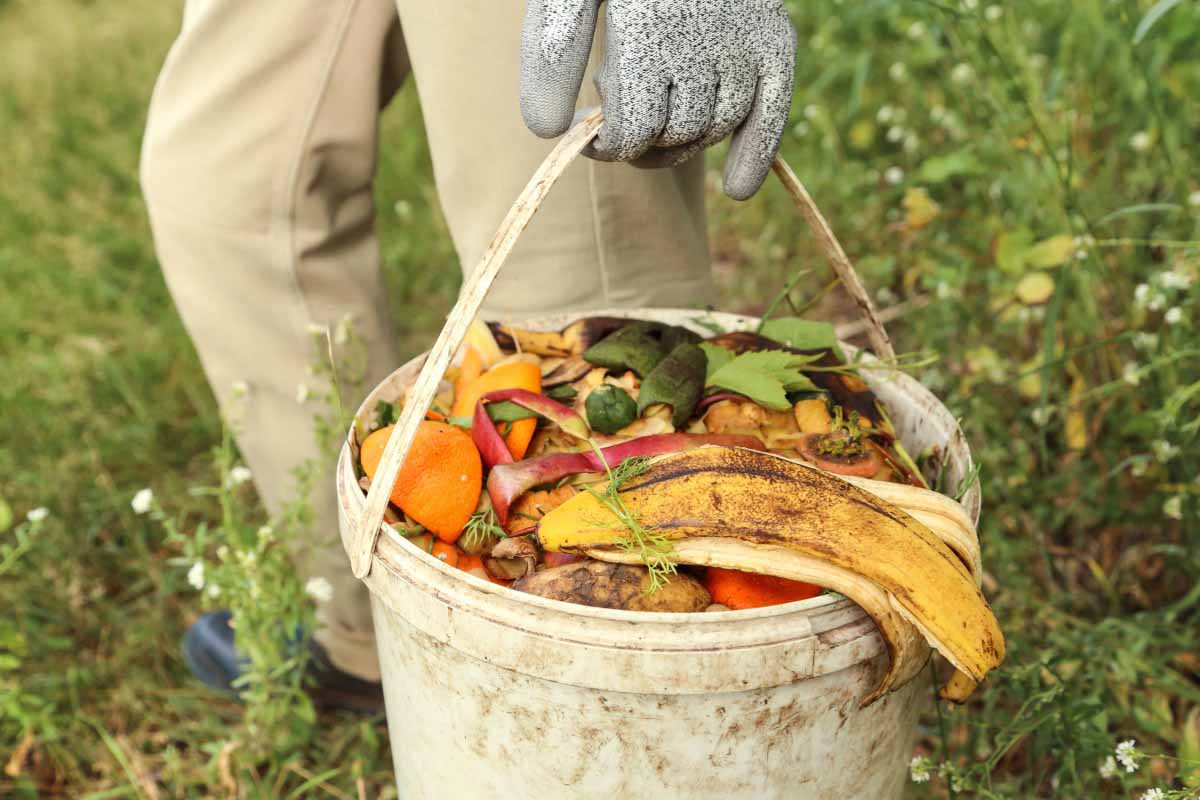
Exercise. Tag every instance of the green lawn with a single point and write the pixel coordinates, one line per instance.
(1005, 176)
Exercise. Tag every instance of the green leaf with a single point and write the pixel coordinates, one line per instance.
(802, 334)
(1012, 250)
(1140, 208)
(6, 515)
(717, 357)
(943, 168)
(1051, 252)
(386, 413)
(1157, 12)
(564, 393)
(765, 376)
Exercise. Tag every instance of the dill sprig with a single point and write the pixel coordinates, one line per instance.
(653, 550)
(482, 526)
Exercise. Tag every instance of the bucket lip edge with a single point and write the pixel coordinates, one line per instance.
(810, 608)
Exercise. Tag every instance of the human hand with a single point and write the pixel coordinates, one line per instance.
(677, 77)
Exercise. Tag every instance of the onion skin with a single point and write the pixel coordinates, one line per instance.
(488, 440)
(561, 415)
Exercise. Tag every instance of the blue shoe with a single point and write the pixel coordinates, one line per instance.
(211, 656)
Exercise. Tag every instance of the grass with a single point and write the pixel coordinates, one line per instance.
(1009, 177)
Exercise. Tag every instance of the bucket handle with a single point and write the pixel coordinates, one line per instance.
(360, 546)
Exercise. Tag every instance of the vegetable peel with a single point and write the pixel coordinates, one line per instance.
(741, 509)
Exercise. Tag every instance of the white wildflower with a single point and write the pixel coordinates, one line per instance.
(1141, 293)
(1173, 279)
(37, 514)
(1127, 754)
(143, 501)
(1164, 451)
(214, 591)
(1173, 508)
(962, 73)
(240, 388)
(302, 393)
(319, 589)
(1131, 374)
(403, 209)
(993, 13)
(920, 769)
(1108, 770)
(248, 558)
(1139, 467)
(223, 552)
(897, 71)
(1157, 302)
(811, 111)
(1041, 415)
(970, 5)
(239, 475)
(916, 30)
(800, 130)
(195, 575)
(884, 114)
(943, 290)
(1173, 316)
(1145, 341)
(1154, 794)
(266, 534)
(1141, 141)
(1194, 199)
(911, 143)
(895, 133)
(893, 175)
(938, 114)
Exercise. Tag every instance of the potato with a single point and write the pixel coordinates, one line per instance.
(623, 586)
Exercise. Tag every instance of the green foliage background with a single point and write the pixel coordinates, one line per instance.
(1006, 176)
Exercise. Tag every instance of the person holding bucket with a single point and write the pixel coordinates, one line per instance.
(258, 164)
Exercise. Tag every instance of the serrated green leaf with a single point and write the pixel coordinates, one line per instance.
(717, 357)
(802, 334)
(765, 376)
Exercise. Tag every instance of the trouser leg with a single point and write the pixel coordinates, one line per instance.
(608, 234)
(257, 168)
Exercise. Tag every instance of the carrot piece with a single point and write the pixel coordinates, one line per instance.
(741, 590)
(474, 565)
(442, 476)
(514, 375)
(436, 416)
(472, 368)
(446, 552)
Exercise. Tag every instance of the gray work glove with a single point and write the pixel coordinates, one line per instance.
(677, 77)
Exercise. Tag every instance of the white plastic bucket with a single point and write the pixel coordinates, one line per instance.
(491, 692)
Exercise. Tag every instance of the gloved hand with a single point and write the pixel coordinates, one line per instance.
(677, 77)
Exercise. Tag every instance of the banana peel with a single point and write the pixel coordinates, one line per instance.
(757, 512)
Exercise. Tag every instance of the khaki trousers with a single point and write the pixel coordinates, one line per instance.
(257, 168)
